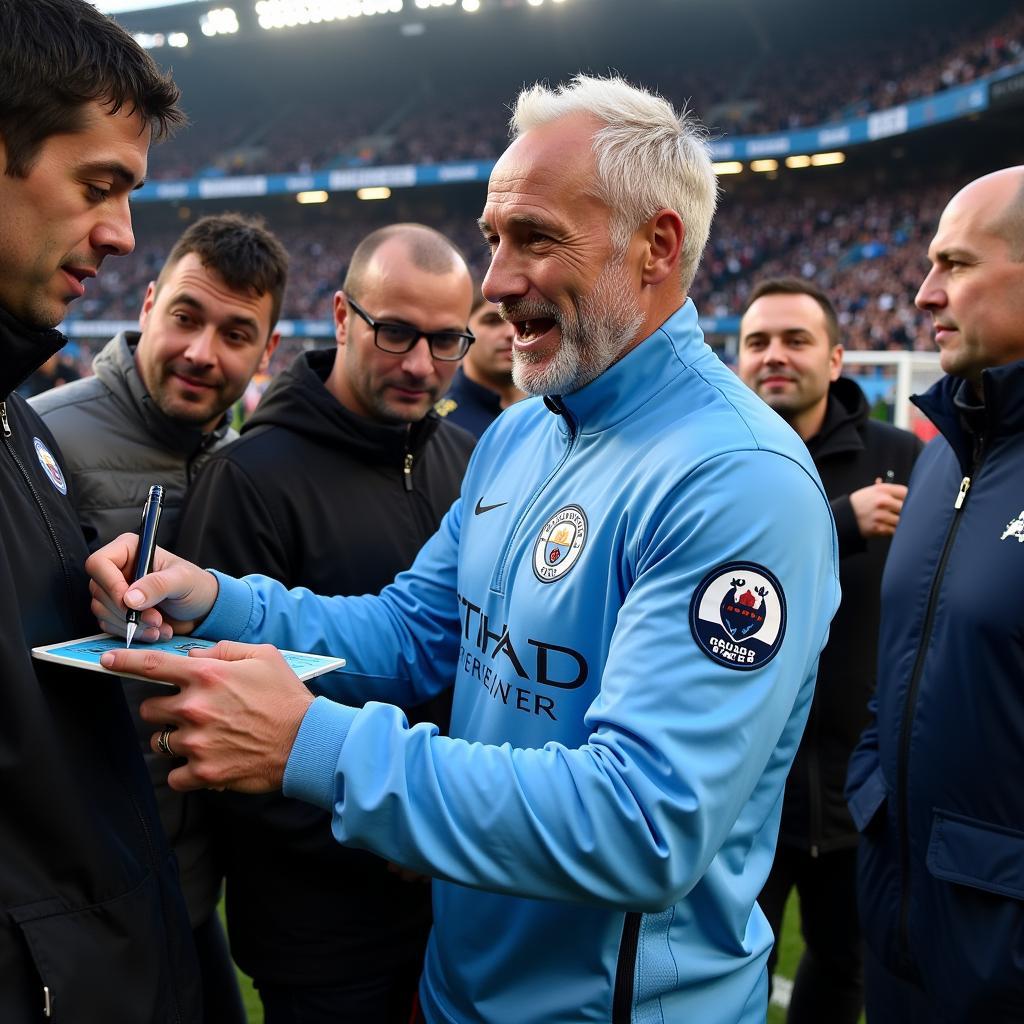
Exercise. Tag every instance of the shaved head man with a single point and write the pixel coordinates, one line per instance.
(933, 785)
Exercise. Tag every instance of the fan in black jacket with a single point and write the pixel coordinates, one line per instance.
(789, 354)
(321, 497)
(92, 921)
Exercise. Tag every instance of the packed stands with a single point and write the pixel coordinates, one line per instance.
(423, 114)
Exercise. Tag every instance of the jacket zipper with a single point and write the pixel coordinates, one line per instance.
(407, 471)
(556, 406)
(908, 713)
(48, 996)
(622, 1001)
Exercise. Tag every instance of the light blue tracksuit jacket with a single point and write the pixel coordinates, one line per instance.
(630, 596)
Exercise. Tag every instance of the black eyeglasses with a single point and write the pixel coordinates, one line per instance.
(397, 339)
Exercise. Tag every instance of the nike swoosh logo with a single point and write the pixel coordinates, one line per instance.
(481, 509)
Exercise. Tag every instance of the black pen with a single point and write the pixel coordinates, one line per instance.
(147, 545)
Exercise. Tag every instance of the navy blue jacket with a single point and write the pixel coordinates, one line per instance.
(936, 782)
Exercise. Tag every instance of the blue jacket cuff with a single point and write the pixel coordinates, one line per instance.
(231, 612)
(313, 762)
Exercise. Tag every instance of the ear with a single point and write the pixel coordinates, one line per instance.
(663, 238)
(272, 343)
(835, 362)
(340, 318)
(147, 305)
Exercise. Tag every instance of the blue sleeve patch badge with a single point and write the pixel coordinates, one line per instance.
(738, 615)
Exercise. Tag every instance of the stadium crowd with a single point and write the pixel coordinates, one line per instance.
(431, 120)
(865, 249)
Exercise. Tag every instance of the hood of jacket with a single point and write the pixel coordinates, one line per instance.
(115, 367)
(298, 400)
(845, 415)
(25, 349)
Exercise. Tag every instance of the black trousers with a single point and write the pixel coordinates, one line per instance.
(385, 998)
(829, 983)
(222, 999)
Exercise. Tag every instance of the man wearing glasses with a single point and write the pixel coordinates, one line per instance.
(339, 477)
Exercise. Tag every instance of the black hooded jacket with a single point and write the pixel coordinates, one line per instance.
(92, 922)
(318, 497)
(850, 451)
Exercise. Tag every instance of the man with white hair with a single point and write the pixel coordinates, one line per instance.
(630, 595)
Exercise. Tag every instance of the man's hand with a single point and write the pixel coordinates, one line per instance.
(236, 716)
(878, 508)
(174, 598)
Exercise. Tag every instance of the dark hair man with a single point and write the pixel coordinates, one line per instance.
(92, 923)
(340, 476)
(630, 595)
(790, 354)
(934, 784)
(483, 385)
(154, 411)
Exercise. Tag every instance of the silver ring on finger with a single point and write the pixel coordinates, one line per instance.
(163, 741)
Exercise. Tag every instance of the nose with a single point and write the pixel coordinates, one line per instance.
(418, 361)
(200, 347)
(503, 279)
(775, 352)
(930, 295)
(113, 234)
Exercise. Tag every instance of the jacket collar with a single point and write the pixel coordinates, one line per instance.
(24, 350)
(626, 385)
(115, 367)
(1001, 412)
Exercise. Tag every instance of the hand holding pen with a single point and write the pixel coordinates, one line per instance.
(144, 554)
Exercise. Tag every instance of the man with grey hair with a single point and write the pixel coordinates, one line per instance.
(630, 595)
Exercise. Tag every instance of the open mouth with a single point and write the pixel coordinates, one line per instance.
(77, 277)
(528, 332)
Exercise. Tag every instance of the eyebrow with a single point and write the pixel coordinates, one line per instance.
(184, 299)
(785, 330)
(521, 220)
(954, 253)
(116, 170)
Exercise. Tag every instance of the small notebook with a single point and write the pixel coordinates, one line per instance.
(85, 653)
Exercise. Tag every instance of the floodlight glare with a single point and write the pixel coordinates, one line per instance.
(761, 166)
(727, 167)
(317, 196)
(798, 161)
(535, 3)
(150, 41)
(221, 21)
(179, 40)
(469, 6)
(374, 192)
(827, 159)
(286, 13)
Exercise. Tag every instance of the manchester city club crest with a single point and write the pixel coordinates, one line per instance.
(560, 543)
(738, 615)
(50, 467)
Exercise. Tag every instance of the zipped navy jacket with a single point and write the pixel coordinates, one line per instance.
(92, 921)
(936, 782)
